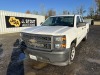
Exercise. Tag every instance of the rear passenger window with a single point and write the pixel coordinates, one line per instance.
(81, 19)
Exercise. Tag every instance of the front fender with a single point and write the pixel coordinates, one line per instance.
(72, 35)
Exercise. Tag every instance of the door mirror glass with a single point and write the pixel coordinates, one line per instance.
(81, 24)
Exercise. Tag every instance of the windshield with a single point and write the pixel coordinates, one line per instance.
(59, 21)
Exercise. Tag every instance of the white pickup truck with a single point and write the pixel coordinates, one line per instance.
(55, 40)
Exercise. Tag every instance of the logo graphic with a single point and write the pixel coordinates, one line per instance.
(15, 22)
(32, 41)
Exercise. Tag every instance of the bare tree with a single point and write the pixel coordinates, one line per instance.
(65, 12)
(51, 12)
(35, 12)
(80, 10)
(77, 11)
(68, 12)
(98, 6)
(28, 12)
(91, 11)
(46, 16)
(73, 12)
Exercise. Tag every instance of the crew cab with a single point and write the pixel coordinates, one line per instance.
(55, 41)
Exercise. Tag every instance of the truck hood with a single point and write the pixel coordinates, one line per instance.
(47, 30)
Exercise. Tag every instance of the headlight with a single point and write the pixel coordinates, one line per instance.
(60, 42)
(60, 38)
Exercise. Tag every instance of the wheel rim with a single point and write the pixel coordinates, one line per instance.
(72, 53)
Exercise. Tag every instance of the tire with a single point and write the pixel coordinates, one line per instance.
(72, 53)
(85, 38)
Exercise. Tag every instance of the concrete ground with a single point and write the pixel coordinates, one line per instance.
(87, 61)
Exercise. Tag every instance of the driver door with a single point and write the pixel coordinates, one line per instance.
(79, 30)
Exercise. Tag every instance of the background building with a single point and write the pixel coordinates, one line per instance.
(11, 22)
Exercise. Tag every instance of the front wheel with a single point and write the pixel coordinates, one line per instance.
(72, 53)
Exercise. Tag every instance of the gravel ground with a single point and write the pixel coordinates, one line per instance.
(87, 61)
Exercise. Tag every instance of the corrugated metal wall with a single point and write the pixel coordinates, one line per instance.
(4, 29)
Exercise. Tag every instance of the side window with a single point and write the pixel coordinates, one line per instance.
(78, 20)
(81, 19)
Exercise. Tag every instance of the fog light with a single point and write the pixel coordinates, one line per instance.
(63, 45)
(58, 39)
(57, 45)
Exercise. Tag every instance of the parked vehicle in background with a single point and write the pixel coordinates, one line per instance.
(56, 40)
(90, 21)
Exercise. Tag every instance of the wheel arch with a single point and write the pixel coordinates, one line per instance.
(74, 41)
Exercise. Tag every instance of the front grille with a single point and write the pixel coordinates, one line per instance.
(34, 41)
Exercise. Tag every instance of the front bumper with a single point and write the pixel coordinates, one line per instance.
(60, 58)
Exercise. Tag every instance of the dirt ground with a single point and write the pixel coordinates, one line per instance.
(87, 61)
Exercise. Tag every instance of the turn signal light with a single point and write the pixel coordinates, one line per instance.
(63, 38)
(63, 45)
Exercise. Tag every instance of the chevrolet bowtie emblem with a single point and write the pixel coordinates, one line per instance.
(32, 41)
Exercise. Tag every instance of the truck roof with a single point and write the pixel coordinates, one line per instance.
(65, 15)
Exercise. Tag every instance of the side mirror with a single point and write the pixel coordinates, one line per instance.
(81, 24)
